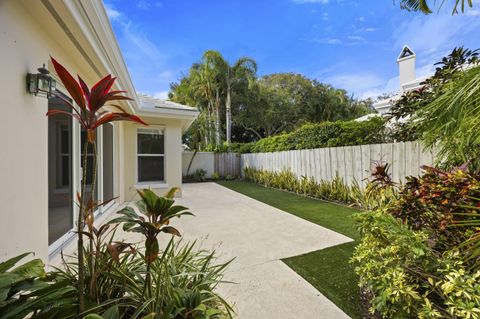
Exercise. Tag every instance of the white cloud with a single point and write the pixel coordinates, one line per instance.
(434, 33)
(112, 14)
(144, 5)
(147, 64)
(355, 82)
(355, 38)
(472, 13)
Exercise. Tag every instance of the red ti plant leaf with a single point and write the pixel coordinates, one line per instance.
(70, 84)
(91, 101)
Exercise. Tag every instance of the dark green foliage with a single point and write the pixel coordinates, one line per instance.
(326, 134)
(232, 147)
(259, 107)
(200, 175)
(28, 290)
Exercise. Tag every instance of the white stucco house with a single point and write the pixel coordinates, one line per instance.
(40, 167)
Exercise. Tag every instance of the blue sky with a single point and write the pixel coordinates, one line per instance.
(349, 44)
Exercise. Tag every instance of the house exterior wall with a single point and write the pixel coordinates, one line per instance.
(29, 36)
(31, 32)
(25, 45)
(173, 157)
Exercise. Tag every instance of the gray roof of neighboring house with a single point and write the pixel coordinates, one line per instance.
(147, 101)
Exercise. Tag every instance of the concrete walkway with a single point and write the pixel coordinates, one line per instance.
(258, 235)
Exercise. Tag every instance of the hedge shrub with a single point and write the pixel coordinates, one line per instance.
(326, 134)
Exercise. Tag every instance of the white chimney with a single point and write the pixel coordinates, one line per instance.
(406, 66)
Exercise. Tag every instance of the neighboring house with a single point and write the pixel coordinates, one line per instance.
(407, 78)
(40, 157)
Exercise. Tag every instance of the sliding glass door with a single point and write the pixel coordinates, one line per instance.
(66, 142)
(60, 165)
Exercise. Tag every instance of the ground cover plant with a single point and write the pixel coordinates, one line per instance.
(328, 270)
(378, 191)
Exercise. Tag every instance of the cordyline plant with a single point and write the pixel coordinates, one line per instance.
(90, 113)
(157, 212)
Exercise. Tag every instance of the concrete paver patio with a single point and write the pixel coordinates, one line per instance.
(258, 236)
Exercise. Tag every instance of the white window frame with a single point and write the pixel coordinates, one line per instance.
(151, 184)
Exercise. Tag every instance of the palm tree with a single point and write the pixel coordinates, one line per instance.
(424, 5)
(204, 84)
(228, 77)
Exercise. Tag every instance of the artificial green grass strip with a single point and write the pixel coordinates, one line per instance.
(328, 270)
(330, 215)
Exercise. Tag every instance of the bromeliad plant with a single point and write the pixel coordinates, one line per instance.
(90, 111)
(156, 213)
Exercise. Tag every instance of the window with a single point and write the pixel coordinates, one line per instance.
(150, 155)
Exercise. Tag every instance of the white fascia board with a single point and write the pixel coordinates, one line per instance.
(170, 113)
(186, 116)
(92, 20)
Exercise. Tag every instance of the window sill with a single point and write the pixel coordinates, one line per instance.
(152, 185)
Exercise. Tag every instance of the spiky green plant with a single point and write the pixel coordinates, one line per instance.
(450, 123)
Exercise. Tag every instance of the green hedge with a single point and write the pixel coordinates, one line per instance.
(325, 134)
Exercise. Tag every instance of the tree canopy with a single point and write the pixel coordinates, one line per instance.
(238, 106)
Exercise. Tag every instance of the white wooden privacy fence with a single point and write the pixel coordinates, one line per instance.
(349, 162)
(228, 164)
(223, 164)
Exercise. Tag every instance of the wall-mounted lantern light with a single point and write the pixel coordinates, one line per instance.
(41, 83)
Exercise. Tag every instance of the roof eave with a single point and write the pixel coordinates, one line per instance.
(91, 18)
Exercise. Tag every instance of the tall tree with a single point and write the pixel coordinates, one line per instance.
(229, 77)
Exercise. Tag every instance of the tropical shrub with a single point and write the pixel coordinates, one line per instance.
(27, 290)
(132, 281)
(90, 112)
(419, 255)
(182, 283)
(334, 190)
(326, 134)
(447, 123)
(408, 278)
(200, 175)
